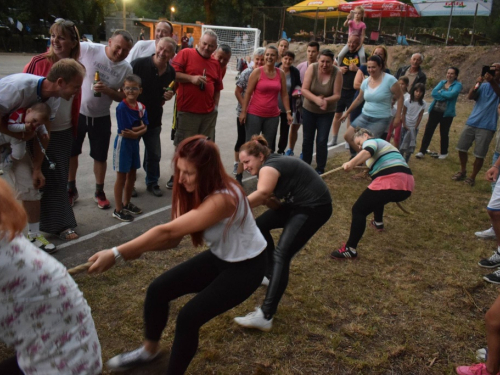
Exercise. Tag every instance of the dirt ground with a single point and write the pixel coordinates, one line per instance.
(469, 60)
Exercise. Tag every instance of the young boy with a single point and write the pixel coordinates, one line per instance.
(132, 120)
(24, 120)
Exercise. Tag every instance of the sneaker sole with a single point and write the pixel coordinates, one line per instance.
(132, 213)
(119, 218)
(253, 327)
(486, 237)
(375, 227)
(491, 281)
(101, 207)
(335, 258)
(492, 266)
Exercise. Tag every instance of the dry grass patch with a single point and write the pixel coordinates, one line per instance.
(412, 304)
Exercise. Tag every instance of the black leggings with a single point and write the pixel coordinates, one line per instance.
(299, 225)
(435, 119)
(284, 130)
(241, 135)
(219, 285)
(371, 201)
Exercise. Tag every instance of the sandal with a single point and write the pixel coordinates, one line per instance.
(68, 235)
(459, 176)
(469, 181)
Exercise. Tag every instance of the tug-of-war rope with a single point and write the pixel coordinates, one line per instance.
(85, 266)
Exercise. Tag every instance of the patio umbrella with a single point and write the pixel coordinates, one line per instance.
(381, 9)
(318, 9)
(429, 8)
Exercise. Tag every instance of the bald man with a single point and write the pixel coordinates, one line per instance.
(146, 48)
(413, 71)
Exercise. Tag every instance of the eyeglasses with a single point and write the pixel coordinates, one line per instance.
(126, 88)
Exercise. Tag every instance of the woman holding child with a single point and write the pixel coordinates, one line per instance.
(56, 213)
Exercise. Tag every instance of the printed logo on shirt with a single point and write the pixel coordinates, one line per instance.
(350, 60)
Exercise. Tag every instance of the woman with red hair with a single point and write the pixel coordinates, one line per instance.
(210, 206)
(43, 314)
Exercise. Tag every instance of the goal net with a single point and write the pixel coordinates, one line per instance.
(243, 41)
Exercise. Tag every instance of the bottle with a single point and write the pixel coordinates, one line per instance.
(202, 86)
(477, 86)
(97, 78)
(169, 88)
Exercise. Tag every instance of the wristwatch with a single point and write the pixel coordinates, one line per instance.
(118, 256)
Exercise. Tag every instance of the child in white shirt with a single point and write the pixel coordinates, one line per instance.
(413, 112)
(24, 120)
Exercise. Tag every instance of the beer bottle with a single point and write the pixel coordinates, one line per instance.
(169, 88)
(202, 86)
(96, 79)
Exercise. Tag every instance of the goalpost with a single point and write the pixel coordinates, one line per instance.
(242, 40)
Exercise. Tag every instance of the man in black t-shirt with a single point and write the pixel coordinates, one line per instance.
(156, 74)
(349, 67)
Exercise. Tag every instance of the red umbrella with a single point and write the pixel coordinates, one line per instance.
(381, 8)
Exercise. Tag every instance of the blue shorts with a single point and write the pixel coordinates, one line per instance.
(377, 126)
(126, 154)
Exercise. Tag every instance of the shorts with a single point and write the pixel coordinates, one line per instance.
(21, 174)
(99, 129)
(126, 154)
(494, 203)
(482, 138)
(345, 101)
(189, 124)
(377, 126)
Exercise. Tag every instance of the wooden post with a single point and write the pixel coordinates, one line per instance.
(316, 23)
(449, 23)
(474, 26)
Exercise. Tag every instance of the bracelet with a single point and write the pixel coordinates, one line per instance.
(289, 111)
(494, 166)
(116, 253)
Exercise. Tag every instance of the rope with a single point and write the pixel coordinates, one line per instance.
(81, 268)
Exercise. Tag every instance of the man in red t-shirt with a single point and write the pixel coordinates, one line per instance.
(200, 82)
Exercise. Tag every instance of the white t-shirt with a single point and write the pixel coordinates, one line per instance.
(22, 90)
(241, 241)
(413, 109)
(406, 95)
(43, 314)
(143, 48)
(93, 57)
(63, 119)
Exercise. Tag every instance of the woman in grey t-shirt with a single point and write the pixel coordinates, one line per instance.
(300, 203)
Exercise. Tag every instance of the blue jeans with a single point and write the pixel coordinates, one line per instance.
(152, 155)
(377, 126)
(312, 123)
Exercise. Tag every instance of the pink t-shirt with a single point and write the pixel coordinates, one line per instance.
(356, 28)
(264, 101)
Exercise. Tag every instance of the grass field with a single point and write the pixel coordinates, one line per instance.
(413, 303)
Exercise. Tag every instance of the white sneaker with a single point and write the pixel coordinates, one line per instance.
(42, 243)
(256, 320)
(488, 234)
(331, 143)
(419, 155)
(442, 156)
(131, 359)
(265, 281)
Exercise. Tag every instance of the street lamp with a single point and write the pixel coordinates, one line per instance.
(172, 11)
(124, 20)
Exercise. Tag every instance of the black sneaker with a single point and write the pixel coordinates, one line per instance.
(378, 227)
(155, 190)
(134, 193)
(132, 209)
(131, 359)
(492, 262)
(123, 216)
(493, 278)
(170, 183)
(344, 253)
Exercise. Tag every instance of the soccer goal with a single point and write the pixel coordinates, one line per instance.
(243, 41)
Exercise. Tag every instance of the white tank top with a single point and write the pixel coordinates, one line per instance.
(242, 241)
